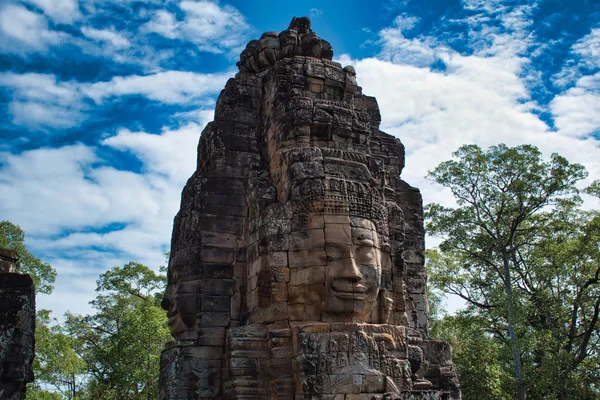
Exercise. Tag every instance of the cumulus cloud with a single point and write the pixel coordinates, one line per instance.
(23, 31)
(108, 36)
(401, 50)
(167, 153)
(584, 57)
(171, 87)
(164, 24)
(42, 25)
(61, 11)
(494, 31)
(434, 113)
(212, 28)
(577, 111)
(67, 189)
(41, 101)
(482, 98)
(84, 216)
(588, 48)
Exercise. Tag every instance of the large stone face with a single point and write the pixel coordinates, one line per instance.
(17, 327)
(297, 258)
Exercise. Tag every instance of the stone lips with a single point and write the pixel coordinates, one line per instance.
(296, 221)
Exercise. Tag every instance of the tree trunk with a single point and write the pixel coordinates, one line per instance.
(521, 395)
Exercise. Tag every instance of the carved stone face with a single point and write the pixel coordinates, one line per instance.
(353, 271)
(180, 302)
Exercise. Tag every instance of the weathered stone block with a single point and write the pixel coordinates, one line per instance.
(307, 276)
(307, 259)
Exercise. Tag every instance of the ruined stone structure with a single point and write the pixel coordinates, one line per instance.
(297, 258)
(17, 327)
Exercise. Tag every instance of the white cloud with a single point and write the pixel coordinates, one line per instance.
(200, 116)
(116, 40)
(588, 48)
(434, 113)
(577, 111)
(165, 153)
(172, 87)
(315, 12)
(66, 189)
(400, 50)
(40, 101)
(584, 54)
(163, 23)
(23, 31)
(495, 32)
(61, 11)
(212, 28)
(68, 200)
(482, 98)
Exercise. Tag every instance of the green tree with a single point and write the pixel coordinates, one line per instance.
(56, 364)
(122, 341)
(43, 275)
(498, 247)
(478, 358)
(35, 392)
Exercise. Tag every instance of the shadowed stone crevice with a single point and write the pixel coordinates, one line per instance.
(297, 256)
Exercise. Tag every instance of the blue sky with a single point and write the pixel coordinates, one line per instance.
(102, 102)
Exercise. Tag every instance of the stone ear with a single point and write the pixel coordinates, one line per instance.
(386, 305)
(386, 259)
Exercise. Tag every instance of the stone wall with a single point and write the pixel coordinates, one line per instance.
(17, 327)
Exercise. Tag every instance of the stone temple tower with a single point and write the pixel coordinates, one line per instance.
(297, 258)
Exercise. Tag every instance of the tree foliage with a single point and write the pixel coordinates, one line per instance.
(122, 341)
(525, 256)
(56, 364)
(43, 275)
(111, 354)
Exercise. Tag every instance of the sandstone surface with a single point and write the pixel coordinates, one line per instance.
(297, 258)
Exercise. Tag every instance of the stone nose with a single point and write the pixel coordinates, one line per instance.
(350, 270)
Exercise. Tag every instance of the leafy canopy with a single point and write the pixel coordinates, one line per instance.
(43, 275)
(122, 341)
(522, 252)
